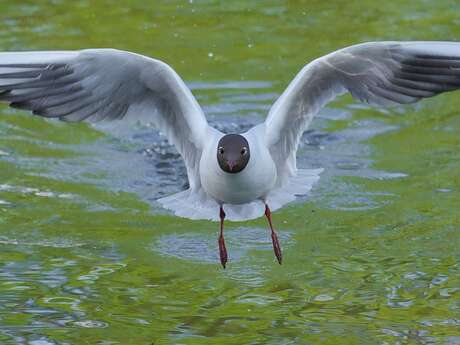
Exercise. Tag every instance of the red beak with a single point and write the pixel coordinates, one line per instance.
(231, 165)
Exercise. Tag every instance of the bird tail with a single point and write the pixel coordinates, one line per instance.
(196, 204)
(298, 185)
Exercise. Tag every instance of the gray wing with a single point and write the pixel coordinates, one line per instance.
(106, 84)
(383, 73)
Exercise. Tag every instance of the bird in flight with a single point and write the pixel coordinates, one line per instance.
(233, 176)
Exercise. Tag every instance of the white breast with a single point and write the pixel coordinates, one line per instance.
(254, 182)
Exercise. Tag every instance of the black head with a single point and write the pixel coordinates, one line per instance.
(233, 153)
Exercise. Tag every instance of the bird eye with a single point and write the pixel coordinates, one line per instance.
(244, 150)
(221, 150)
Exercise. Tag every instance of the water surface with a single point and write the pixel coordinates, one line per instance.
(371, 256)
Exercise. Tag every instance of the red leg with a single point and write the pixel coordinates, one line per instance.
(276, 244)
(222, 249)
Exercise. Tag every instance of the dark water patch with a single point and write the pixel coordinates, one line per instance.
(203, 248)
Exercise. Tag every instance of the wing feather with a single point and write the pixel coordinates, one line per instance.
(383, 73)
(106, 84)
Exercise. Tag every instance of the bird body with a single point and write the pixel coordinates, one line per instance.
(241, 173)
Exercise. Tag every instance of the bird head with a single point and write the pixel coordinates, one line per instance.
(233, 153)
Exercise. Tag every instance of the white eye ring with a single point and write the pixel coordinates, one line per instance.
(221, 150)
(244, 150)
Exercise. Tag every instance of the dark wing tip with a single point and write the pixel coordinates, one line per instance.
(424, 74)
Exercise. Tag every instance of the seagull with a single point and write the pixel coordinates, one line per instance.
(233, 176)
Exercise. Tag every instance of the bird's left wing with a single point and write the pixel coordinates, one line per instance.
(383, 73)
(106, 84)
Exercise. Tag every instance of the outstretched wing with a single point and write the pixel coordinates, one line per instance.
(383, 73)
(106, 84)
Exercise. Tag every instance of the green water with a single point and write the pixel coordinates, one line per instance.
(371, 257)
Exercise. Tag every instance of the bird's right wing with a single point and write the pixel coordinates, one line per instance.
(383, 73)
(107, 84)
